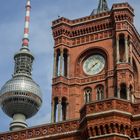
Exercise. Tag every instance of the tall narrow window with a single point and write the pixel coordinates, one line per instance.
(122, 48)
(65, 65)
(123, 91)
(100, 92)
(87, 94)
(55, 109)
(57, 62)
(136, 76)
(64, 109)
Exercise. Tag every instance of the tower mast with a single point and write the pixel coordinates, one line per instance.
(25, 41)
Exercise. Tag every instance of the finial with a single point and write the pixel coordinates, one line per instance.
(102, 7)
(25, 41)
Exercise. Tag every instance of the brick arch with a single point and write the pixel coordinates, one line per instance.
(87, 52)
(55, 98)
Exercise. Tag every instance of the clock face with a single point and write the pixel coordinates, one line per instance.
(94, 64)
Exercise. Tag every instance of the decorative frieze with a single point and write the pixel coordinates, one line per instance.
(110, 104)
(80, 81)
(40, 131)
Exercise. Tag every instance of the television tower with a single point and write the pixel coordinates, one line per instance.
(20, 97)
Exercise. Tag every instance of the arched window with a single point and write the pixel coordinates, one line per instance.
(64, 109)
(65, 65)
(100, 92)
(55, 109)
(57, 62)
(59, 109)
(87, 94)
(122, 47)
(123, 91)
(61, 63)
(136, 76)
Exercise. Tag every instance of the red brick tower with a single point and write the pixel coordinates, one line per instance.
(95, 58)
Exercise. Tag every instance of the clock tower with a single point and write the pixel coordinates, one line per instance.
(95, 58)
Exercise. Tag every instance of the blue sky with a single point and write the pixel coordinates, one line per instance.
(41, 42)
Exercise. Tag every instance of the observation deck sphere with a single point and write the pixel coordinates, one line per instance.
(20, 95)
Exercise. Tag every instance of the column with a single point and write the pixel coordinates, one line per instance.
(99, 131)
(68, 62)
(131, 59)
(118, 93)
(93, 131)
(104, 129)
(85, 98)
(132, 97)
(59, 110)
(67, 115)
(126, 49)
(88, 97)
(61, 63)
(52, 113)
(117, 50)
(54, 65)
(128, 93)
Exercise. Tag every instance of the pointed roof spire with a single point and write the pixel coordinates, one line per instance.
(25, 41)
(102, 7)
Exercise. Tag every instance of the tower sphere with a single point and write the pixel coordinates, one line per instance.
(20, 95)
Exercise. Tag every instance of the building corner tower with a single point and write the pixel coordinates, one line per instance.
(96, 58)
(20, 97)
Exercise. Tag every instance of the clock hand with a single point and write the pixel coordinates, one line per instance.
(92, 66)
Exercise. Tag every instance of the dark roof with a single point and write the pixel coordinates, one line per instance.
(102, 7)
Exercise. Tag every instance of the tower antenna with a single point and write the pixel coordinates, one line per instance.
(25, 41)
